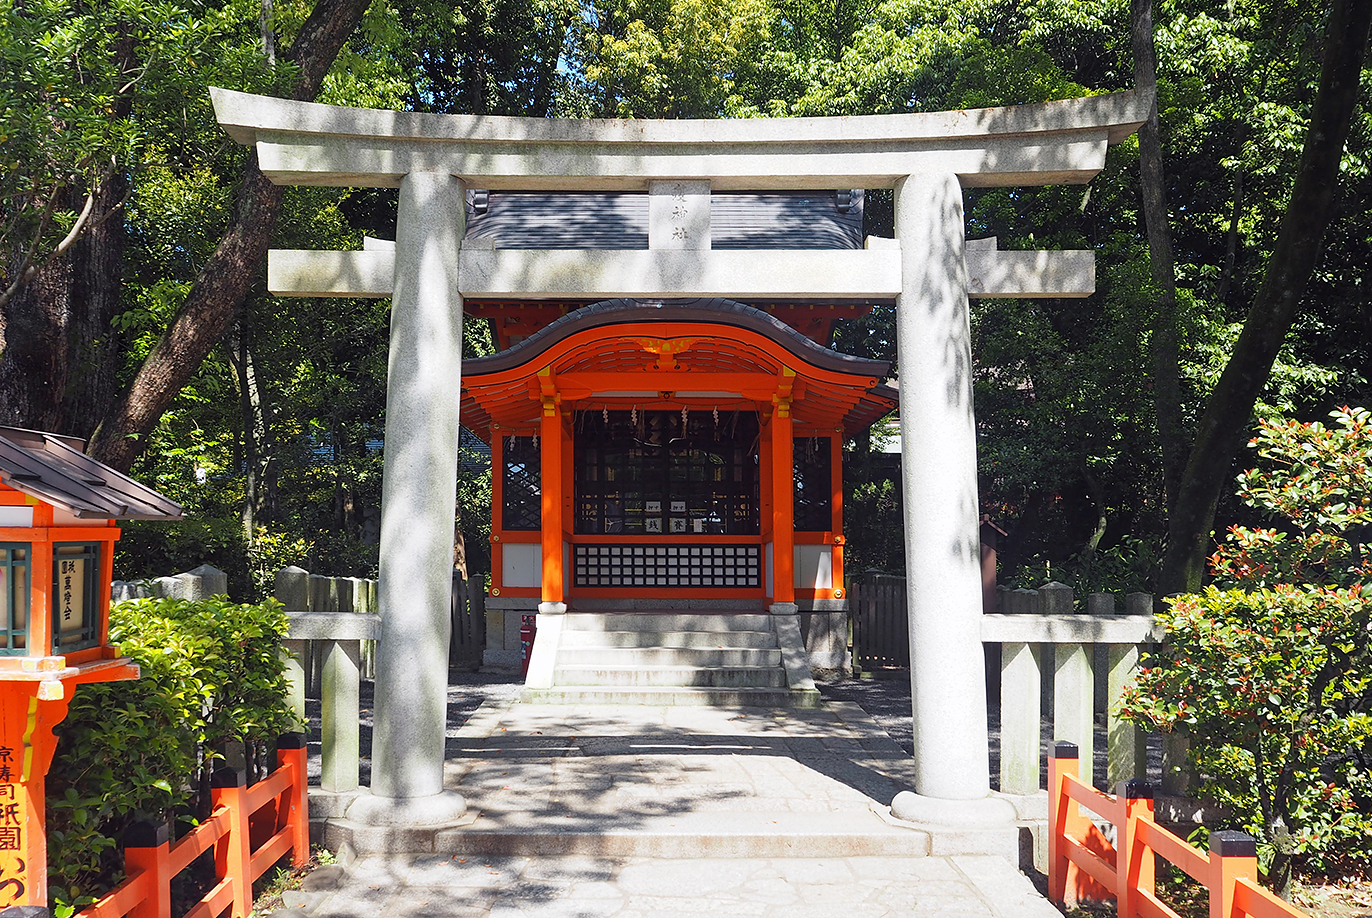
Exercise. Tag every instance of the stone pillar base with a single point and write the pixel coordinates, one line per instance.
(431, 812)
(982, 813)
(986, 825)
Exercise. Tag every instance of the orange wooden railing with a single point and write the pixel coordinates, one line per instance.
(1084, 866)
(150, 861)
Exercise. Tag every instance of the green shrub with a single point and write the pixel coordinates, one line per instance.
(211, 676)
(1272, 676)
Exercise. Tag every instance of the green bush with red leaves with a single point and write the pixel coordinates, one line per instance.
(1269, 669)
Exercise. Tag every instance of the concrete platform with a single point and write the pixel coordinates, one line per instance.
(624, 810)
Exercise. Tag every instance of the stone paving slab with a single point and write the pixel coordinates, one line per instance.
(583, 811)
(584, 887)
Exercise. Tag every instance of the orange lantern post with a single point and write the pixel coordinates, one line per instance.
(58, 509)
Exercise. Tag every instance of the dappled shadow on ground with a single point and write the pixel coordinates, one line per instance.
(886, 701)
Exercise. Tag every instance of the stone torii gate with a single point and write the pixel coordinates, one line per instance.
(929, 269)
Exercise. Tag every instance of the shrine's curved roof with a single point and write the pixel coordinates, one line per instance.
(653, 353)
(713, 311)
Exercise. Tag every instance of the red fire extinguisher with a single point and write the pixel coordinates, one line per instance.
(528, 630)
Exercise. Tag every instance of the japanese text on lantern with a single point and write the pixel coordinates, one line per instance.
(13, 869)
(71, 594)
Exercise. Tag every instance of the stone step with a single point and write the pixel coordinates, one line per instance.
(667, 621)
(621, 657)
(764, 640)
(671, 696)
(601, 674)
(689, 835)
(664, 604)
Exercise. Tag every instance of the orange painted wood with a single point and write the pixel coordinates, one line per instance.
(128, 897)
(1225, 874)
(271, 851)
(550, 469)
(1135, 862)
(152, 897)
(1232, 882)
(268, 789)
(27, 741)
(757, 352)
(1150, 906)
(1072, 876)
(296, 813)
(783, 505)
(1187, 858)
(233, 851)
(220, 897)
(40, 593)
(147, 893)
(1251, 899)
(200, 839)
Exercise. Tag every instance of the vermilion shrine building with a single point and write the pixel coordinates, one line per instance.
(664, 412)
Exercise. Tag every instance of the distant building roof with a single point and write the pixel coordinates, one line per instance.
(53, 468)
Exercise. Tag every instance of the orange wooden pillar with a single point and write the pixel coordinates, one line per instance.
(836, 508)
(1135, 864)
(550, 467)
(1233, 855)
(783, 501)
(233, 852)
(1065, 818)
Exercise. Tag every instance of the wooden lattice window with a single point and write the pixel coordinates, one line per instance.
(814, 484)
(522, 485)
(14, 597)
(655, 473)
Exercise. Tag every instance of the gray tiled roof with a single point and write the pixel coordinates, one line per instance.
(53, 469)
(601, 220)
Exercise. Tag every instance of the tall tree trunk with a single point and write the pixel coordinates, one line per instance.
(257, 427)
(227, 276)
(1165, 356)
(1226, 420)
(58, 353)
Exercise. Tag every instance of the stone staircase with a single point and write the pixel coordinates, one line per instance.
(670, 656)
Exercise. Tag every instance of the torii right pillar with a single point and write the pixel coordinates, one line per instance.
(939, 482)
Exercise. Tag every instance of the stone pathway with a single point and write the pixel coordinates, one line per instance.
(454, 886)
(584, 811)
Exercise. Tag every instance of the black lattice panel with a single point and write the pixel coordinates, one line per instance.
(737, 566)
(814, 484)
(522, 484)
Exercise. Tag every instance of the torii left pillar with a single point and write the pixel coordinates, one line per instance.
(418, 496)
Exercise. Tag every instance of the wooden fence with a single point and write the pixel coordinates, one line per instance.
(468, 640)
(250, 829)
(1084, 866)
(880, 622)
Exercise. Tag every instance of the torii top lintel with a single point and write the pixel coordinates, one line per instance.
(1049, 143)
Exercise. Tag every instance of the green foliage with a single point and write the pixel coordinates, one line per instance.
(872, 517)
(211, 675)
(1272, 676)
(92, 93)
